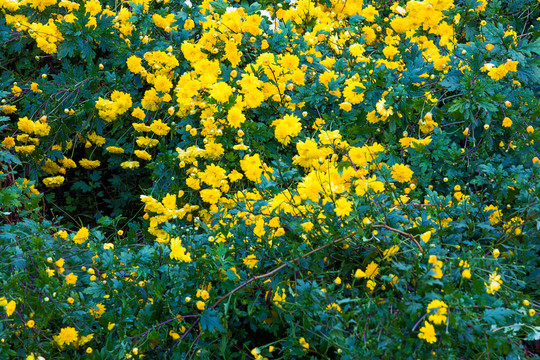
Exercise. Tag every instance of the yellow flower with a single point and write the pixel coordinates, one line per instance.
(304, 343)
(114, 149)
(250, 261)
(439, 316)
(287, 128)
(494, 283)
(89, 164)
(427, 332)
(97, 311)
(466, 274)
(53, 181)
(71, 279)
(401, 173)
(221, 92)
(347, 106)
(129, 165)
(17, 91)
(235, 117)
(390, 251)
(138, 113)
(200, 305)
(66, 336)
(93, 7)
(10, 307)
(333, 306)
(60, 263)
(507, 122)
(426, 236)
(159, 128)
(495, 216)
(189, 24)
(178, 252)
(8, 142)
(372, 270)
(278, 297)
(204, 294)
(96, 139)
(143, 141)
(81, 236)
(143, 154)
(8, 109)
(252, 167)
(210, 196)
(162, 84)
(359, 274)
(26, 149)
(343, 207)
(437, 267)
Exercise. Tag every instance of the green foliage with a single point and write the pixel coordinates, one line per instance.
(309, 179)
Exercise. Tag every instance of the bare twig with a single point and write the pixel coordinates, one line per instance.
(384, 226)
(258, 277)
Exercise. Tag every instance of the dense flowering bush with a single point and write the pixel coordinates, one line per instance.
(305, 179)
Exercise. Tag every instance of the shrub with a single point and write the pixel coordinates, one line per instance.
(291, 180)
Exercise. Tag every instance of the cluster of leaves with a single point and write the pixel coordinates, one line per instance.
(322, 179)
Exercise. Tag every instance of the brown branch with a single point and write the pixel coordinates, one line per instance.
(268, 274)
(384, 226)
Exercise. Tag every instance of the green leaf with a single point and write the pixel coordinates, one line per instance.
(96, 290)
(6, 157)
(210, 321)
(219, 6)
(497, 316)
(531, 47)
(534, 335)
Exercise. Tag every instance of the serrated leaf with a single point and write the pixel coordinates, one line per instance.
(497, 316)
(96, 290)
(531, 47)
(534, 335)
(210, 321)
(9, 158)
(219, 6)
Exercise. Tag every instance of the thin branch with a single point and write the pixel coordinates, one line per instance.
(268, 274)
(384, 226)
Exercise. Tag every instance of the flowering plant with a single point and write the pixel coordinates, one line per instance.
(331, 179)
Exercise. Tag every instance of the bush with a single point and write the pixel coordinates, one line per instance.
(288, 180)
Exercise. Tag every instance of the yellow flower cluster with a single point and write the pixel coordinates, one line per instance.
(39, 128)
(109, 110)
(53, 181)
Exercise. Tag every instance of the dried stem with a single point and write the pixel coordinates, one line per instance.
(384, 226)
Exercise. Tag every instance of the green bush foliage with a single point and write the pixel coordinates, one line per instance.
(285, 180)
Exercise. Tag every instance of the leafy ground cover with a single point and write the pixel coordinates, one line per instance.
(277, 180)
